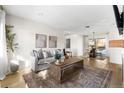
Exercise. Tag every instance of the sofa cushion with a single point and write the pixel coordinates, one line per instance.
(38, 54)
(50, 60)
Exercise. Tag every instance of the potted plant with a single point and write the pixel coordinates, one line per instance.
(11, 45)
(57, 56)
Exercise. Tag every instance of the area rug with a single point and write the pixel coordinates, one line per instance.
(89, 77)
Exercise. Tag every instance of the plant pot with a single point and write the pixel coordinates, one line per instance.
(14, 66)
(57, 61)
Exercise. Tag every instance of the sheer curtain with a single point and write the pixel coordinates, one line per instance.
(3, 48)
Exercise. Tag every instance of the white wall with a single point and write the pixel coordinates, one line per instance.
(25, 35)
(76, 44)
(115, 53)
(79, 45)
(85, 43)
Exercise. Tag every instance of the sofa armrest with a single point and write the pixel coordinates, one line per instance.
(33, 63)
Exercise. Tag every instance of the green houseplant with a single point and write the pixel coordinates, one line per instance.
(9, 36)
(57, 56)
(11, 45)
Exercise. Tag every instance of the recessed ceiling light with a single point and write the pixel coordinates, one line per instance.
(87, 26)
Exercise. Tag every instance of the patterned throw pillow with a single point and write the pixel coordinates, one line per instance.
(35, 53)
(40, 55)
(49, 54)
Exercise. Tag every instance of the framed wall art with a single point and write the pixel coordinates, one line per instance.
(52, 41)
(41, 41)
(68, 43)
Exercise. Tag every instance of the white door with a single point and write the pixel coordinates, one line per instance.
(85, 44)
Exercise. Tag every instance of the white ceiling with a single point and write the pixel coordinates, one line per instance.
(64, 17)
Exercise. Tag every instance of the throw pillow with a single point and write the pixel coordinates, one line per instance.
(35, 53)
(49, 54)
(40, 56)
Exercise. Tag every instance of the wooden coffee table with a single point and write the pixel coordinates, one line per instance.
(65, 70)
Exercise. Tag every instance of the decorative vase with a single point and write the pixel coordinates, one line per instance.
(13, 62)
(10, 56)
(62, 59)
(14, 67)
(57, 61)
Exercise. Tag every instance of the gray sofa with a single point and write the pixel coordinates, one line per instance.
(42, 59)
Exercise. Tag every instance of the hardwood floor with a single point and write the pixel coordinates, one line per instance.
(16, 80)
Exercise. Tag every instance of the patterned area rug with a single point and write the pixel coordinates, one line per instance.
(89, 77)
